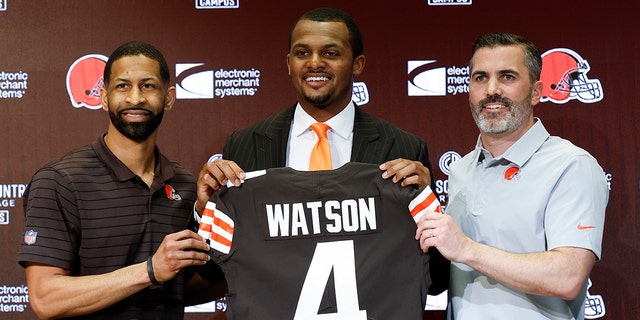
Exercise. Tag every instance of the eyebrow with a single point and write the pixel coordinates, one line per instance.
(326, 46)
(141, 80)
(504, 71)
(508, 71)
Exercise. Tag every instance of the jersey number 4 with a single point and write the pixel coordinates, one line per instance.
(338, 256)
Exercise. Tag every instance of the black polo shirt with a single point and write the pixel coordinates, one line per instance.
(88, 213)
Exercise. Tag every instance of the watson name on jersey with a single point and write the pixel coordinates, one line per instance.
(335, 244)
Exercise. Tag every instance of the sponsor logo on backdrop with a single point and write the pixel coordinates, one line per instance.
(564, 77)
(213, 306)
(13, 298)
(196, 85)
(442, 186)
(446, 159)
(84, 80)
(360, 93)
(427, 78)
(217, 4)
(196, 81)
(215, 157)
(13, 84)
(4, 217)
(594, 305)
(8, 195)
(448, 2)
(3, 5)
(609, 178)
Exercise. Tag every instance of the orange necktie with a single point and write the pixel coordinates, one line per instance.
(321, 153)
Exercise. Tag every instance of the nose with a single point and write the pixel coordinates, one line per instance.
(135, 96)
(493, 88)
(315, 60)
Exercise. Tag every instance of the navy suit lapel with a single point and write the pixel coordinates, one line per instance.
(369, 143)
(271, 140)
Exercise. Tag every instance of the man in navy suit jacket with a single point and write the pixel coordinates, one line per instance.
(324, 57)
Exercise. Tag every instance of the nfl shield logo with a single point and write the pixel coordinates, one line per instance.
(30, 237)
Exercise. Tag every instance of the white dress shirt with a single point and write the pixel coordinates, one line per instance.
(302, 138)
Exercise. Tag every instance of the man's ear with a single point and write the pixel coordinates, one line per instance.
(358, 65)
(170, 98)
(536, 93)
(104, 101)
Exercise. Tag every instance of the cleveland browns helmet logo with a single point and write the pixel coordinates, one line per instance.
(84, 80)
(564, 77)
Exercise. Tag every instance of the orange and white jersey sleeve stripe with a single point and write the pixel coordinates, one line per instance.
(216, 228)
(425, 201)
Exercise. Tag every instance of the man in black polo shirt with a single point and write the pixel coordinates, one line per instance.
(105, 225)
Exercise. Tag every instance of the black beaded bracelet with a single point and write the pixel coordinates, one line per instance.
(152, 277)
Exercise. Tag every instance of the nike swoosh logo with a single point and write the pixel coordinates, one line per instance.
(581, 227)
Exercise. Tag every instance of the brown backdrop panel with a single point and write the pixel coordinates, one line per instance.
(43, 39)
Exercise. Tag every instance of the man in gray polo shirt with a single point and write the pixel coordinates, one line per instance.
(523, 225)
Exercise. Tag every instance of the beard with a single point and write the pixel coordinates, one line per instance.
(136, 131)
(319, 100)
(497, 124)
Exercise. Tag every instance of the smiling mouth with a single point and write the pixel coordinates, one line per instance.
(314, 79)
(494, 106)
(135, 114)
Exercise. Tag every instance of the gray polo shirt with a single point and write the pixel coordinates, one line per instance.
(542, 193)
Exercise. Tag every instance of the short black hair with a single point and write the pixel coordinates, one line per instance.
(532, 57)
(335, 15)
(134, 48)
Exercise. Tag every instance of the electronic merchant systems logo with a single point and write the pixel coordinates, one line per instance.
(425, 78)
(197, 84)
(13, 84)
(197, 81)
(216, 4)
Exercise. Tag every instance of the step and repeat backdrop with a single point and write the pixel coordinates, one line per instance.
(228, 63)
